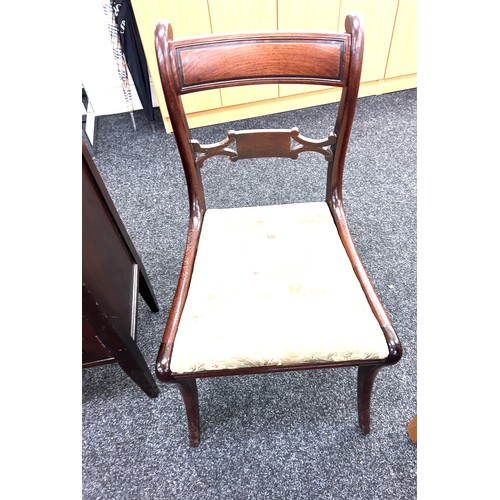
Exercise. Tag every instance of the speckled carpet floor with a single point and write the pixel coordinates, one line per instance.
(284, 436)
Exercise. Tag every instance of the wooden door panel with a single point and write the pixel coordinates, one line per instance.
(403, 53)
(244, 15)
(293, 16)
(378, 20)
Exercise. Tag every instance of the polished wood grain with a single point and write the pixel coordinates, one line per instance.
(189, 393)
(366, 379)
(334, 198)
(209, 62)
(263, 144)
(231, 60)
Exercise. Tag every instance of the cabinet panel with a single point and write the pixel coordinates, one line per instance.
(188, 18)
(389, 60)
(318, 15)
(107, 266)
(403, 53)
(112, 276)
(378, 20)
(244, 15)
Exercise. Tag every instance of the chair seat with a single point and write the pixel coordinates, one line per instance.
(272, 285)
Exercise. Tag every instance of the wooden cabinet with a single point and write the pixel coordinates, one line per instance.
(112, 277)
(253, 15)
(190, 18)
(389, 61)
(379, 18)
(402, 60)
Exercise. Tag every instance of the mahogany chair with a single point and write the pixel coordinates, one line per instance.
(269, 288)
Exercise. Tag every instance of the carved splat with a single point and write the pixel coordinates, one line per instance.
(263, 144)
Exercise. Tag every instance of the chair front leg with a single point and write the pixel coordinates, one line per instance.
(189, 393)
(366, 377)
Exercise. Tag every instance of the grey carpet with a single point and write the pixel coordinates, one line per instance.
(283, 436)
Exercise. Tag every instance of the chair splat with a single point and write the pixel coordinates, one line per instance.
(264, 144)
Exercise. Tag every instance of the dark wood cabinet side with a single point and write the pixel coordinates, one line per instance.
(112, 277)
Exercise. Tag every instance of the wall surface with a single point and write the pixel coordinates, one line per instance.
(390, 58)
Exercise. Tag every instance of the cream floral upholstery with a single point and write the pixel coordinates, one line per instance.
(273, 285)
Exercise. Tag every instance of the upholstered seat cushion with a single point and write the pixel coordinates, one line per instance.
(272, 285)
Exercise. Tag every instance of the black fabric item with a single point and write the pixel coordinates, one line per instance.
(134, 52)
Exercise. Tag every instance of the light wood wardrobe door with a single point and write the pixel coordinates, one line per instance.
(319, 15)
(378, 18)
(188, 18)
(403, 53)
(244, 15)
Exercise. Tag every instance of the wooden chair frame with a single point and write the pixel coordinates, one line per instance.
(215, 61)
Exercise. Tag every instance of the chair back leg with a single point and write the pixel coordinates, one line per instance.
(366, 377)
(189, 393)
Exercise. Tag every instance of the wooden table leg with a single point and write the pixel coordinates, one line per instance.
(412, 429)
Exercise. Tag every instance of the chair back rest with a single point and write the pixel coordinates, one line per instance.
(193, 64)
(252, 58)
